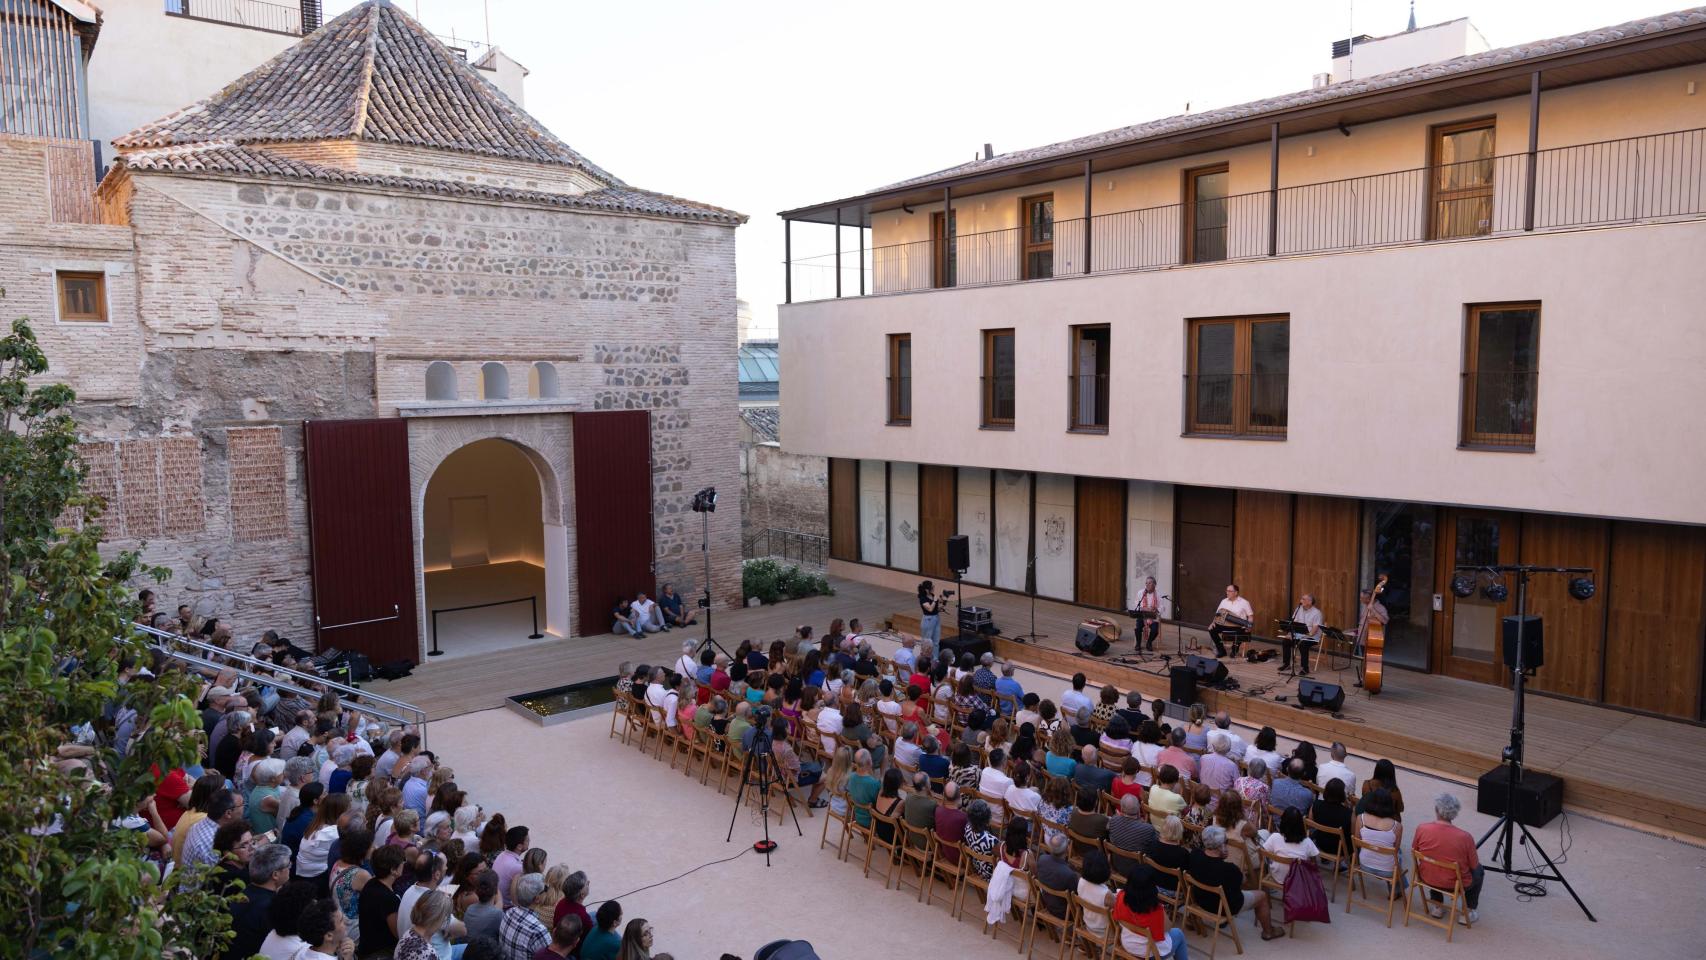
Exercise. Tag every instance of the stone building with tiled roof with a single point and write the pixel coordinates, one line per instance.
(356, 339)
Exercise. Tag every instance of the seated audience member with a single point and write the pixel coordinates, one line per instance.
(1061, 758)
(522, 933)
(1107, 707)
(1143, 922)
(1127, 783)
(794, 771)
(1218, 770)
(964, 769)
(1022, 799)
(1176, 754)
(1266, 750)
(1305, 752)
(1083, 729)
(931, 760)
(603, 942)
(1165, 799)
(1288, 790)
(323, 933)
(1133, 713)
(1060, 799)
(675, 613)
(978, 837)
(296, 827)
(484, 917)
(507, 866)
(283, 914)
(1169, 849)
(379, 901)
(906, 749)
(993, 780)
(1290, 840)
(1129, 830)
(1236, 744)
(1116, 735)
(950, 823)
(1441, 839)
(1090, 772)
(1028, 712)
(426, 871)
(1332, 812)
(1386, 778)
(1253, 785)
(1007, 686)
(1093, 887)
(862, 788)
(1054, 870)
(1074, 699)
(1210, 867)
(623, 620)
(574, 887)
(1375, 822)
(919, 810)
(1086, 820)
(430, 924)
(348, 875)
(251, 911)
(1335, 769)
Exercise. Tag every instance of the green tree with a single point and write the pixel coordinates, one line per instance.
(72, 885)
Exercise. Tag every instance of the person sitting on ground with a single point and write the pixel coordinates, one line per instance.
(1332, 812)
(1288, 790)
(1165, 798)
(1090, 773)
(522, 933)
(603, 942)
(1291, 841)
(1142, 922)
(1218, 770)
(1176, 754)
(1115, 736)
(950, 823)
(623, 619)
(675, 613)
(1130, 830)
(1442, 840)
(1211, 868)
(1086, 820)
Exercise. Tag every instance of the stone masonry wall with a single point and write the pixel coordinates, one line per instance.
(786, 491)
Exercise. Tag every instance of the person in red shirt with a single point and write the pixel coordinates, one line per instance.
(171, 796)
(1142, 921)
(1443, 840)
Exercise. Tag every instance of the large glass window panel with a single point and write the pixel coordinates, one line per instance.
(1398, 541)
(1270, 361)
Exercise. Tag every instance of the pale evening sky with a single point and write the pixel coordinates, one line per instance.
(765, 105)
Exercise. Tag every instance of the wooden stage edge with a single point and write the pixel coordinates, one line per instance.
(1609, 801)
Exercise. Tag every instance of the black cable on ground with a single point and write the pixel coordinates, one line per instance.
(744, 851)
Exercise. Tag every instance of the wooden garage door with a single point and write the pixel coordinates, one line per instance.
(936, 519)
(1653, 646)
(843, 508)
(1575, 630)
(361, 538)
(1261, 556)
(1101, 542)
(613, 511)
(1324, 556)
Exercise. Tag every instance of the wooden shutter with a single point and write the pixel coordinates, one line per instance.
(361, 538)
(1101, 542)
(613, 512)
(936, 520)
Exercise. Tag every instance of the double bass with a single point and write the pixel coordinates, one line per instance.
(1373, 640)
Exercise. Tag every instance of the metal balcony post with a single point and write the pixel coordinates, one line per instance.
(1533, 149)
(837, 253)
(1087, 220)
(787, 261)
(1273, 189)
(861, 259)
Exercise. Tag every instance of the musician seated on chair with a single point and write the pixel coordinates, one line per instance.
(1309, 615)
(1375, 611)
(1149, 602)
(1236, 606)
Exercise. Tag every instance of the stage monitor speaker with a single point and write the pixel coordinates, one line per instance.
(1533, 642)
(1539, 797)
(1089, 641)
(1314, 693)
(1183, 689)
(959, 552)
(976, 644)
(1207, 669)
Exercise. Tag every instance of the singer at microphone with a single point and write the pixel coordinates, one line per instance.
(1148, 615)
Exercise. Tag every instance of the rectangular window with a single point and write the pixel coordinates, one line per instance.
(900, 378)
(1206, 190)
(1036, 254)
(998, 378)
(82, 297)
(1087, 381)
(1460, 180)
(1236, 383)
(943, 252)
(1501, 375)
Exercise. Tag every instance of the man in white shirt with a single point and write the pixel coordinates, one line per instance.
(646, 613)
(994, 781)
(687, 665)
(1074, 699)
(1235, 744)
(429, 871)
(1238, 607)
(1335, 769)
(829, 726)
(656, 692)
(1309, 615)
(905, 658)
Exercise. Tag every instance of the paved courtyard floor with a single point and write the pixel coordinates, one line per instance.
(652, 838)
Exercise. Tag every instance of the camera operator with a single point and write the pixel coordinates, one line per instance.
(930, 624)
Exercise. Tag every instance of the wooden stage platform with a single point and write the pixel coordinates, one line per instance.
(1616, 765)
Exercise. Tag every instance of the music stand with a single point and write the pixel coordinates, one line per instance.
(1342, 650)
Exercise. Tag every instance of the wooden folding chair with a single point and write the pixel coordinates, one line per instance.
(1022, 880)
(1119, 929)
(1080, 843)
(1337, 859)
(1120, 856)
(1112, 758)
(1358, 872)
(1041, 916)
(1217, 923)
(658, 728)
(1169, 876)
(856, 830)
(997, 811)
(619, 711)
(1238, 850)
(947, 862)
(1419, 891)
(633, 714)
(974, 879)
(915, 849)
(1102, 942)
(1007, 704)
(1271, 886)
(699, 748)
(846, 821)
(890, 847)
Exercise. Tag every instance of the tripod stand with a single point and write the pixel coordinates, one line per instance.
(705, 601)
(1507, 825)
(1031, 581)
(761, 753)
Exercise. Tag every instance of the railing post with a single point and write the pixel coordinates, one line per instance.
(1533, 149)
(861, 258)
(837, 253)
(787, 261)
(950, 242)
(1087, 220)
(1273, 189)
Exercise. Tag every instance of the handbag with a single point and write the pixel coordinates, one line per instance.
(1304, 897)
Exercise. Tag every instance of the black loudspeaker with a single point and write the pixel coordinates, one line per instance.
(959, 553)
(1533, 643)
(1090, 642)
(1314, 693)
(1207, 669)
(1184, 686)
(976, 644)
(1539, 797)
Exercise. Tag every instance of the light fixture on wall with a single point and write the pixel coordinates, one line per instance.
(1344, 129)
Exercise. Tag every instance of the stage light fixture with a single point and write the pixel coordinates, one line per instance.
(705, 501)
(1496, 591)
(1582, 588)
(1463, 584)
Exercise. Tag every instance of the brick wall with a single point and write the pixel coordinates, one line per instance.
(786, 491)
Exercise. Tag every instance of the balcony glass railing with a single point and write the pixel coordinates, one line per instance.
(257, 14)
(1661, 176)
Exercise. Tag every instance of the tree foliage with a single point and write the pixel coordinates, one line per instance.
(71, 883)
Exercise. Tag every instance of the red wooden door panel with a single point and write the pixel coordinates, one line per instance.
(361, 536)
(613, 512)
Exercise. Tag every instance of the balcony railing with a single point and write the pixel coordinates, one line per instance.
(1236, 404)
(1499, 407)
(255, 14)
(1089, 395)
(1656, 177)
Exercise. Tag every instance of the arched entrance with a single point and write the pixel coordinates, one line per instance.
(492, 547)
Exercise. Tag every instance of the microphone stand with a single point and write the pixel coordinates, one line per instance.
(1031, 578)
(1292, 643)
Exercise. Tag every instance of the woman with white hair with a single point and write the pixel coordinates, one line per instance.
(1444, 841)
(263, 799)
(466, 824)
(437, 831)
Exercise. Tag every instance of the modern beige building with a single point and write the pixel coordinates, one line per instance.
(1447, 314)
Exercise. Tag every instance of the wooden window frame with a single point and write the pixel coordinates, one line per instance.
(1189, 251)
(1242, 365)
(989, 420)
(1075, 336)
(1469, 437)
(895, 381)
(944, 250)
(1026, 247)
(1432, 193)
(65, 313)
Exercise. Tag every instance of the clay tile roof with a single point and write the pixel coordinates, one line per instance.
(234, 159)
(1334, 91)
(372, 74)
(765, 422)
